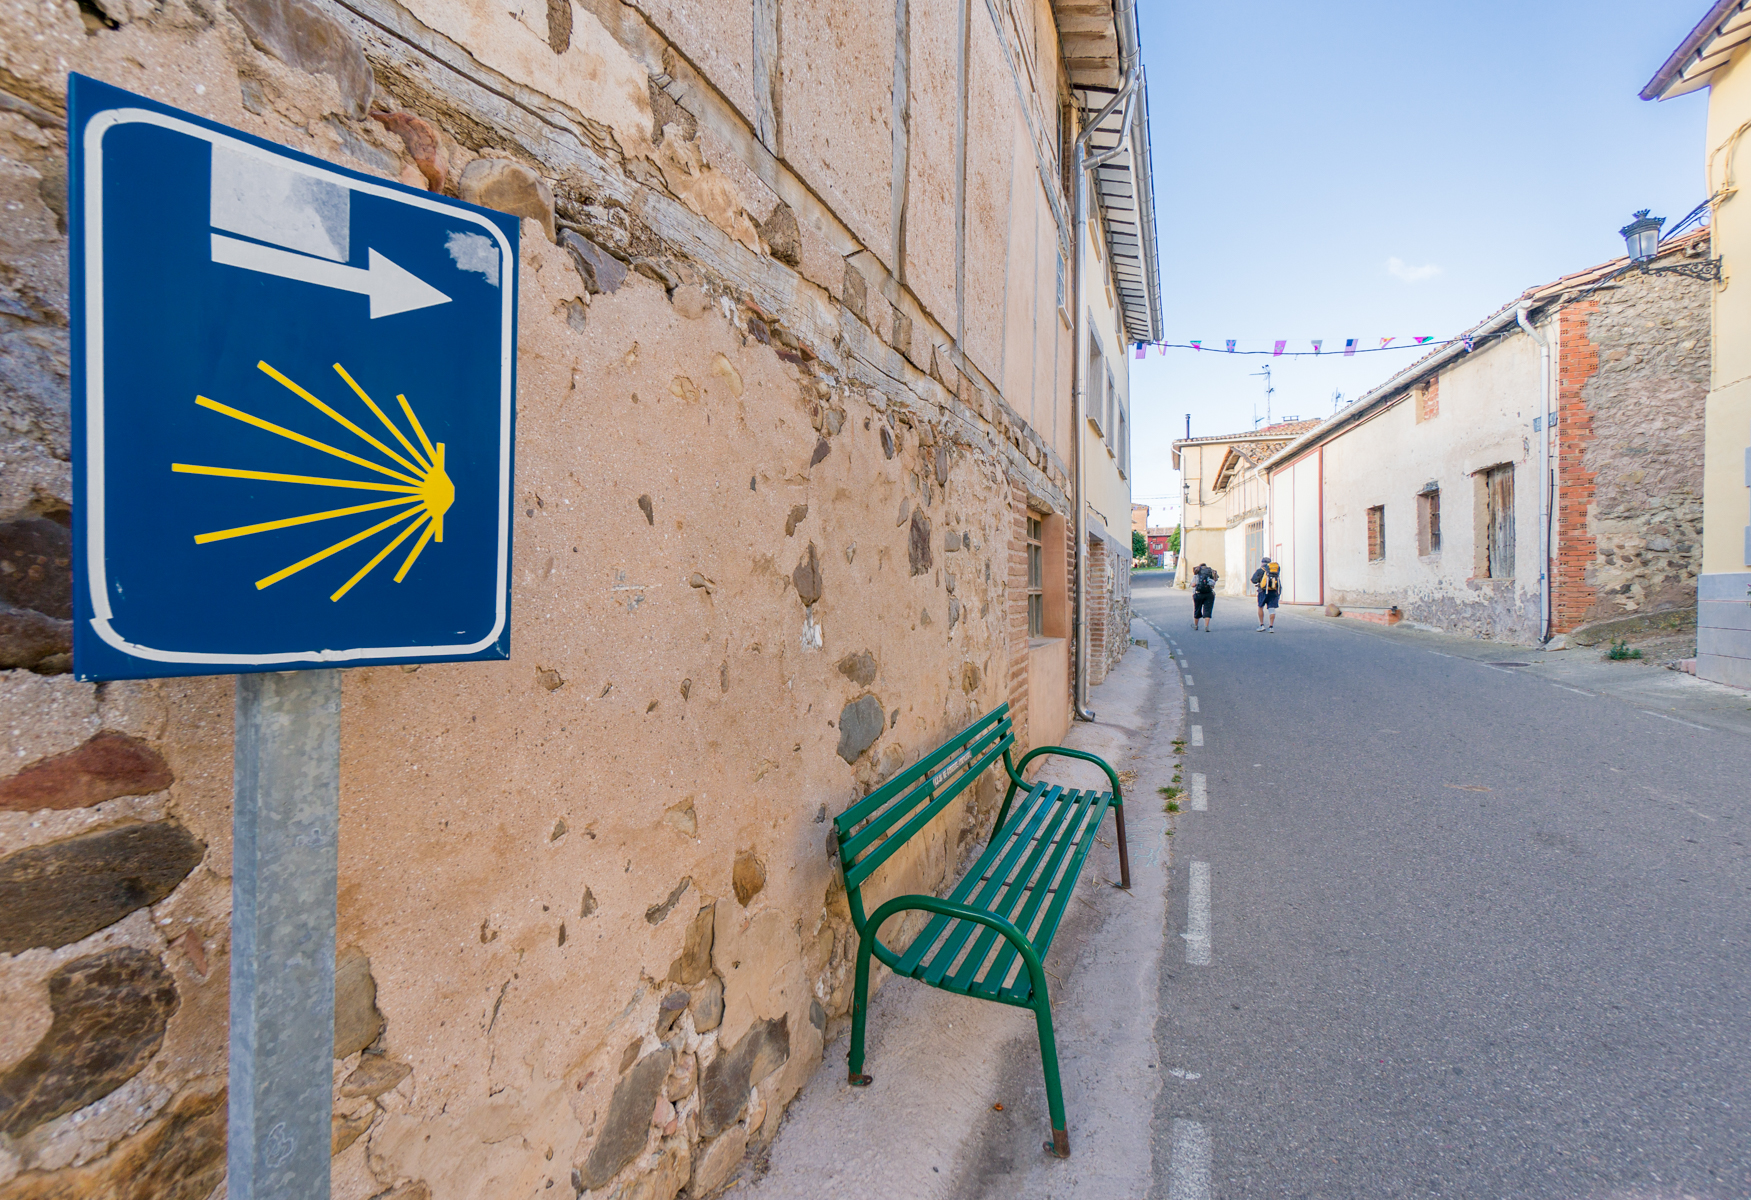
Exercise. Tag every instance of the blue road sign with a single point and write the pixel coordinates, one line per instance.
(294, 393)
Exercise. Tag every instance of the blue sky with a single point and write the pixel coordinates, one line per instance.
(1302, 149)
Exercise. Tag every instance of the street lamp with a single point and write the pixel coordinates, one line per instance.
(1642, 236)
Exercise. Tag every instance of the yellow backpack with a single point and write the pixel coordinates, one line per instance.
(1272, 581)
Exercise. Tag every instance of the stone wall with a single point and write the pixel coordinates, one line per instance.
(1109, 605)
(591, 936)
(1633, 376)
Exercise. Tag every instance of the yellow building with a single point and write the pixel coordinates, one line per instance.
(1714, 56)
(1224, 500)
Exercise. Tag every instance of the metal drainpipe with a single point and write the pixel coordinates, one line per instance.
(1544, 582)
(1081, 165)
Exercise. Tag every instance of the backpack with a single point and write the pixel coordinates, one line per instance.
(1271, 582)
(1206, 582)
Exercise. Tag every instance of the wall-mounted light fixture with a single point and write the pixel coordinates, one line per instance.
(1641, 238)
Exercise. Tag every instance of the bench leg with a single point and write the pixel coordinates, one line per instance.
(1124, 853)
(859, 1015)
(1060, 1143)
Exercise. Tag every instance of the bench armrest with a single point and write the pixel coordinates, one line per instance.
(1066, 752)
(1017, 782)
(869, 942)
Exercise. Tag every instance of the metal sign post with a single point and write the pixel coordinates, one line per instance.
(284, 867)
(292, 426)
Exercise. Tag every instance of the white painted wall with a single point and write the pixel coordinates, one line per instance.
(1487, 401)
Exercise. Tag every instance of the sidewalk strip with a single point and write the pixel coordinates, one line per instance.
(1200, 801)
(1188, 1176)
(1197, 735)
(1197, 934)
(1193, 701)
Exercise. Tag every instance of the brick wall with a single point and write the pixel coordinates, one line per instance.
(1428, 399)
(1017, 602)
(1574, 547)
(1096, 599)
(1109, 608)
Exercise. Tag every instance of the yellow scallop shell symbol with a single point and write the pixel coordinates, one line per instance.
(426, 492)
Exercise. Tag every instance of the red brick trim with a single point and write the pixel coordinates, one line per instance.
(1016, 576)
(1574, 548)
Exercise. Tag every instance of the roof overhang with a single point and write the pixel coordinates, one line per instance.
(1089, 34)
(1708, 48)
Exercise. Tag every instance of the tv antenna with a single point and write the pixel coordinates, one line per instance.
(1266, 372)
(1337, 400)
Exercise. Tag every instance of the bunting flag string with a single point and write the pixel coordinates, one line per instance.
(1280, 346)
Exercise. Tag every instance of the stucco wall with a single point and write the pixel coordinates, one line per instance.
(1487, 402)
(1724, 613)
(1628, 370)
(1107, 489)
(590, 928)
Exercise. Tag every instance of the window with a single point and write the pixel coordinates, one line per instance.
(1377, 533)
(1498, 540)
(1095, 402)
(1036, 579)
(1429, 521)
(1112, 406)
(1124, 446)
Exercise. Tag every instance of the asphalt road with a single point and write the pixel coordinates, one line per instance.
(1470, 932)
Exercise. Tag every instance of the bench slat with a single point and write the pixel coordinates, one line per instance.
(1054, 913)
(1072, 808)
(995, 865)
(982, 884)
(905, 779)
(862, 867)
(908, 799)
(993, 987)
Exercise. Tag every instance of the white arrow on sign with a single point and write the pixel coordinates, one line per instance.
(392, 289)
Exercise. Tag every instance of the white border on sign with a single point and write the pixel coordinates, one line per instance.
(94, 388)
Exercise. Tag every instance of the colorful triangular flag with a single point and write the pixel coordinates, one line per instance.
(1197, 345)
(1318, 346)
(1349, 346)
(1142, 350)
(1278, 350)
(1385, 342)
(1231, 342)
(1425, 338)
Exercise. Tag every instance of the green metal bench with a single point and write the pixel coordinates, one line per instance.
(989, 937)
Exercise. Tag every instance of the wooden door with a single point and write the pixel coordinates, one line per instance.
(1500, 484)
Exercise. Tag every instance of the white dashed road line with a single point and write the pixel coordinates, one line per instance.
(1197, 934)
(1674, 720)
(1200, 797)
(1188, 1173)
(1188, 681)
(1193, 702)
(1197, 735)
